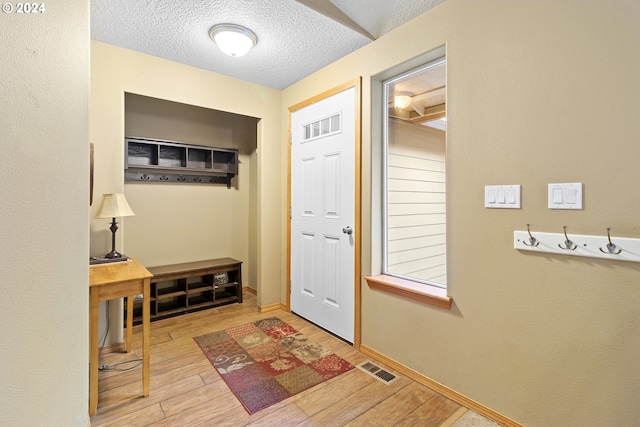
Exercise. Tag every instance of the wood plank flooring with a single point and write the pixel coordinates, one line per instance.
(187, 391)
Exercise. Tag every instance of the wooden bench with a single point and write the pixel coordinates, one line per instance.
(191, 286)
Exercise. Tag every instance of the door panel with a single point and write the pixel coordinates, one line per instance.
(322, 205)
(332, 268)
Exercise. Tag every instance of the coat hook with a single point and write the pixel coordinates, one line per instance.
(611, 247)
(568, 244)
(532, 240)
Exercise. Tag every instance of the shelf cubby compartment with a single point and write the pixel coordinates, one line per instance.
(172, 306)
(171, 289)
(172, 157)
(225, 161)
(200, 158)
(223, 286)
(200, 292)
(199, 287)
(142, 154)
(225, 293)
(200, 300)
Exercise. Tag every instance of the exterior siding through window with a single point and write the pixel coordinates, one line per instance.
(416, 203)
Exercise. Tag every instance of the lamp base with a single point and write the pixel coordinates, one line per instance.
(104, 260)
(114, 255)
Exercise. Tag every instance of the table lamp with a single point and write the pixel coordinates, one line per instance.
(114, 206)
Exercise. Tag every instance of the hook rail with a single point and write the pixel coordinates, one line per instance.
(604, 247)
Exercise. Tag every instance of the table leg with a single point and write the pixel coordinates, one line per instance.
(129, 324)
(93, 349)
(146, 338)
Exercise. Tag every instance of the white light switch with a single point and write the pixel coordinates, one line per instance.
(557, 195)
(502, 196)
(565, 196)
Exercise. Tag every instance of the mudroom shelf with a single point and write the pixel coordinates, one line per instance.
(153, 160)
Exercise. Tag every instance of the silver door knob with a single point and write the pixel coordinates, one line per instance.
(347, 230)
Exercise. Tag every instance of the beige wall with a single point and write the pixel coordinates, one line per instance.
(44, 199)
(538, 92)
(176, 223)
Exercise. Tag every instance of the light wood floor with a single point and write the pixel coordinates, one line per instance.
(187, 391)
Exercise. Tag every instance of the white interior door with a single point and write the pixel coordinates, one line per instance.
(323, 141)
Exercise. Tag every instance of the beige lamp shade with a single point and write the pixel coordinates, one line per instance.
(113, 206)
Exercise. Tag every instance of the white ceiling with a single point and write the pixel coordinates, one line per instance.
(293, 40)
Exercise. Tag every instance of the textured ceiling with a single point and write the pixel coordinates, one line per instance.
(293, 40)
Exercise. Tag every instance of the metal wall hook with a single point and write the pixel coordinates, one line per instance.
(568, 244)
(532, 240)
(611, 247)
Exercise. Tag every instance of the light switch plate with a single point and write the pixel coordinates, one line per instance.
(502, 196)
(565, 196)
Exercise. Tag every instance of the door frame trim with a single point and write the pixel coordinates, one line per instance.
(357, 280)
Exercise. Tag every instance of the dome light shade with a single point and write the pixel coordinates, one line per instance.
(232, 39)
(402, 99)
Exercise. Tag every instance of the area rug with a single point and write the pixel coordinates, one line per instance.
(267, 361)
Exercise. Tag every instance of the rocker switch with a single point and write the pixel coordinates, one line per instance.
(565, 196)
(557, 195)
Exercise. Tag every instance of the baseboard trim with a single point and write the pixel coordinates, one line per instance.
(250, 290)
(272, 307)
(118, 347)
(442, 389)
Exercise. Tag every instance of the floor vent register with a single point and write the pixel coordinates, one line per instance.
(378, 373)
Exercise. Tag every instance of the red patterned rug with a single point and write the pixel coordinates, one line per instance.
(267, 361)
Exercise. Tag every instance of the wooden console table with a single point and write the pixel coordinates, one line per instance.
(112, 281)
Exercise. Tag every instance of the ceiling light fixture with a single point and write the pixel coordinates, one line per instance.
(402, 99)
(232, 39)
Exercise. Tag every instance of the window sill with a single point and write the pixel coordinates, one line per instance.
(412, 290)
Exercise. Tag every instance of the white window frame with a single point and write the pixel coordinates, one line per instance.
(385, 154)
